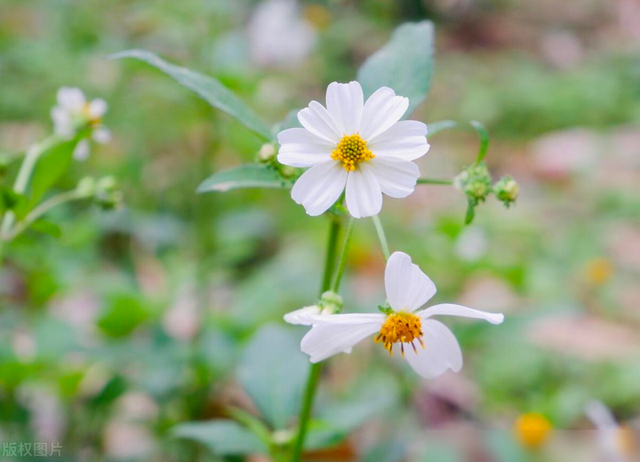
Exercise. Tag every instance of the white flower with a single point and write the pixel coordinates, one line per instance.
(73, 112)
(429, 346)
(278, 35)
(357, 145)
(614, 441)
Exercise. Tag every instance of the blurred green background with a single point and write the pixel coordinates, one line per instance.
(137, 320)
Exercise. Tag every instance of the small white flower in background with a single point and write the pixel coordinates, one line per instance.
(615, 443)
(359, 146)
(429, 347)
(74, 112)
(278, 35)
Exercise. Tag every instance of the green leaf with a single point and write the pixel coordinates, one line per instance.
(208, 88)
(51, 166)
(244, 176)
(439, 126)
(221, 437)
(484, 139)
(47, 227)
(11, 200)
(338, 420)
(273, 371)
(123, 314)
(404, 64)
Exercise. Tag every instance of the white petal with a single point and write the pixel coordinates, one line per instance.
(97, 108)
(363, 195)
(320, 187)
(441, 352)
(62, 121)
(318, 121)
(81, 152)
(102, 135)
(344, 319)
(301, 148)
(302, 316)
(600, 416)
(326, 340)
(397, 177)
(345, 102)
(382, 110)
(405, 140)
(407, 287)
(72, 99)
(450, 309)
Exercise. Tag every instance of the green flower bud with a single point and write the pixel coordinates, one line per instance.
(288, 172)
(330, 302)
(86, 187)
(107, 194)
(266, 153)
(474, 182)
(506, 190)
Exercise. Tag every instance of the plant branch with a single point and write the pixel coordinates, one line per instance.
(314, 371)
(40, 210)
(437, 181)
(381, 236)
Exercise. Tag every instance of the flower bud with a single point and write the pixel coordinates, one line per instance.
(331, 302)
(506, 190)
(266, 153)
(288, 172)
(107, 194)
(474, 182)
(86, 187)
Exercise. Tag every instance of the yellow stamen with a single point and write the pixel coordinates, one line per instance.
(351, 150)
(86, 112)
(400, 328)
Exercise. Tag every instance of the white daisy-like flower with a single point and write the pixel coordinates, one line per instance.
(428, 345)
(353, 145)
(74, 112)
(615, 442)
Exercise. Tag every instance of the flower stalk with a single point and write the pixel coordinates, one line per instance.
(315, 370)
(381, 236)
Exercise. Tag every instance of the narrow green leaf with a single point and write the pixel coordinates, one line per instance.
(51, 166)
(484, 139)
(272, 370)
(47, 227)
(439, 126)
(208, 88)
(242, 177)
(470, 215)
(404, 64)
(221, 437)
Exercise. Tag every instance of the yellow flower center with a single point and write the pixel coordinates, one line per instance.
(532, 430)
(351, 150)
(86, 113)
(400, 328)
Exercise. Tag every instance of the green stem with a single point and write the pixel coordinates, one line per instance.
(337, 278)
(314, 371)
(22, 181)
(435, 181)
(381, 236)
(40, 210)
(330, 260)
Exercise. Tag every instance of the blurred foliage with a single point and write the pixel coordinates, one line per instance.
(129, 333)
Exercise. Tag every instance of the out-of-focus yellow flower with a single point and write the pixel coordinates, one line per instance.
(626, 441)
(317, 15)
(532, 430)
(599, 271)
